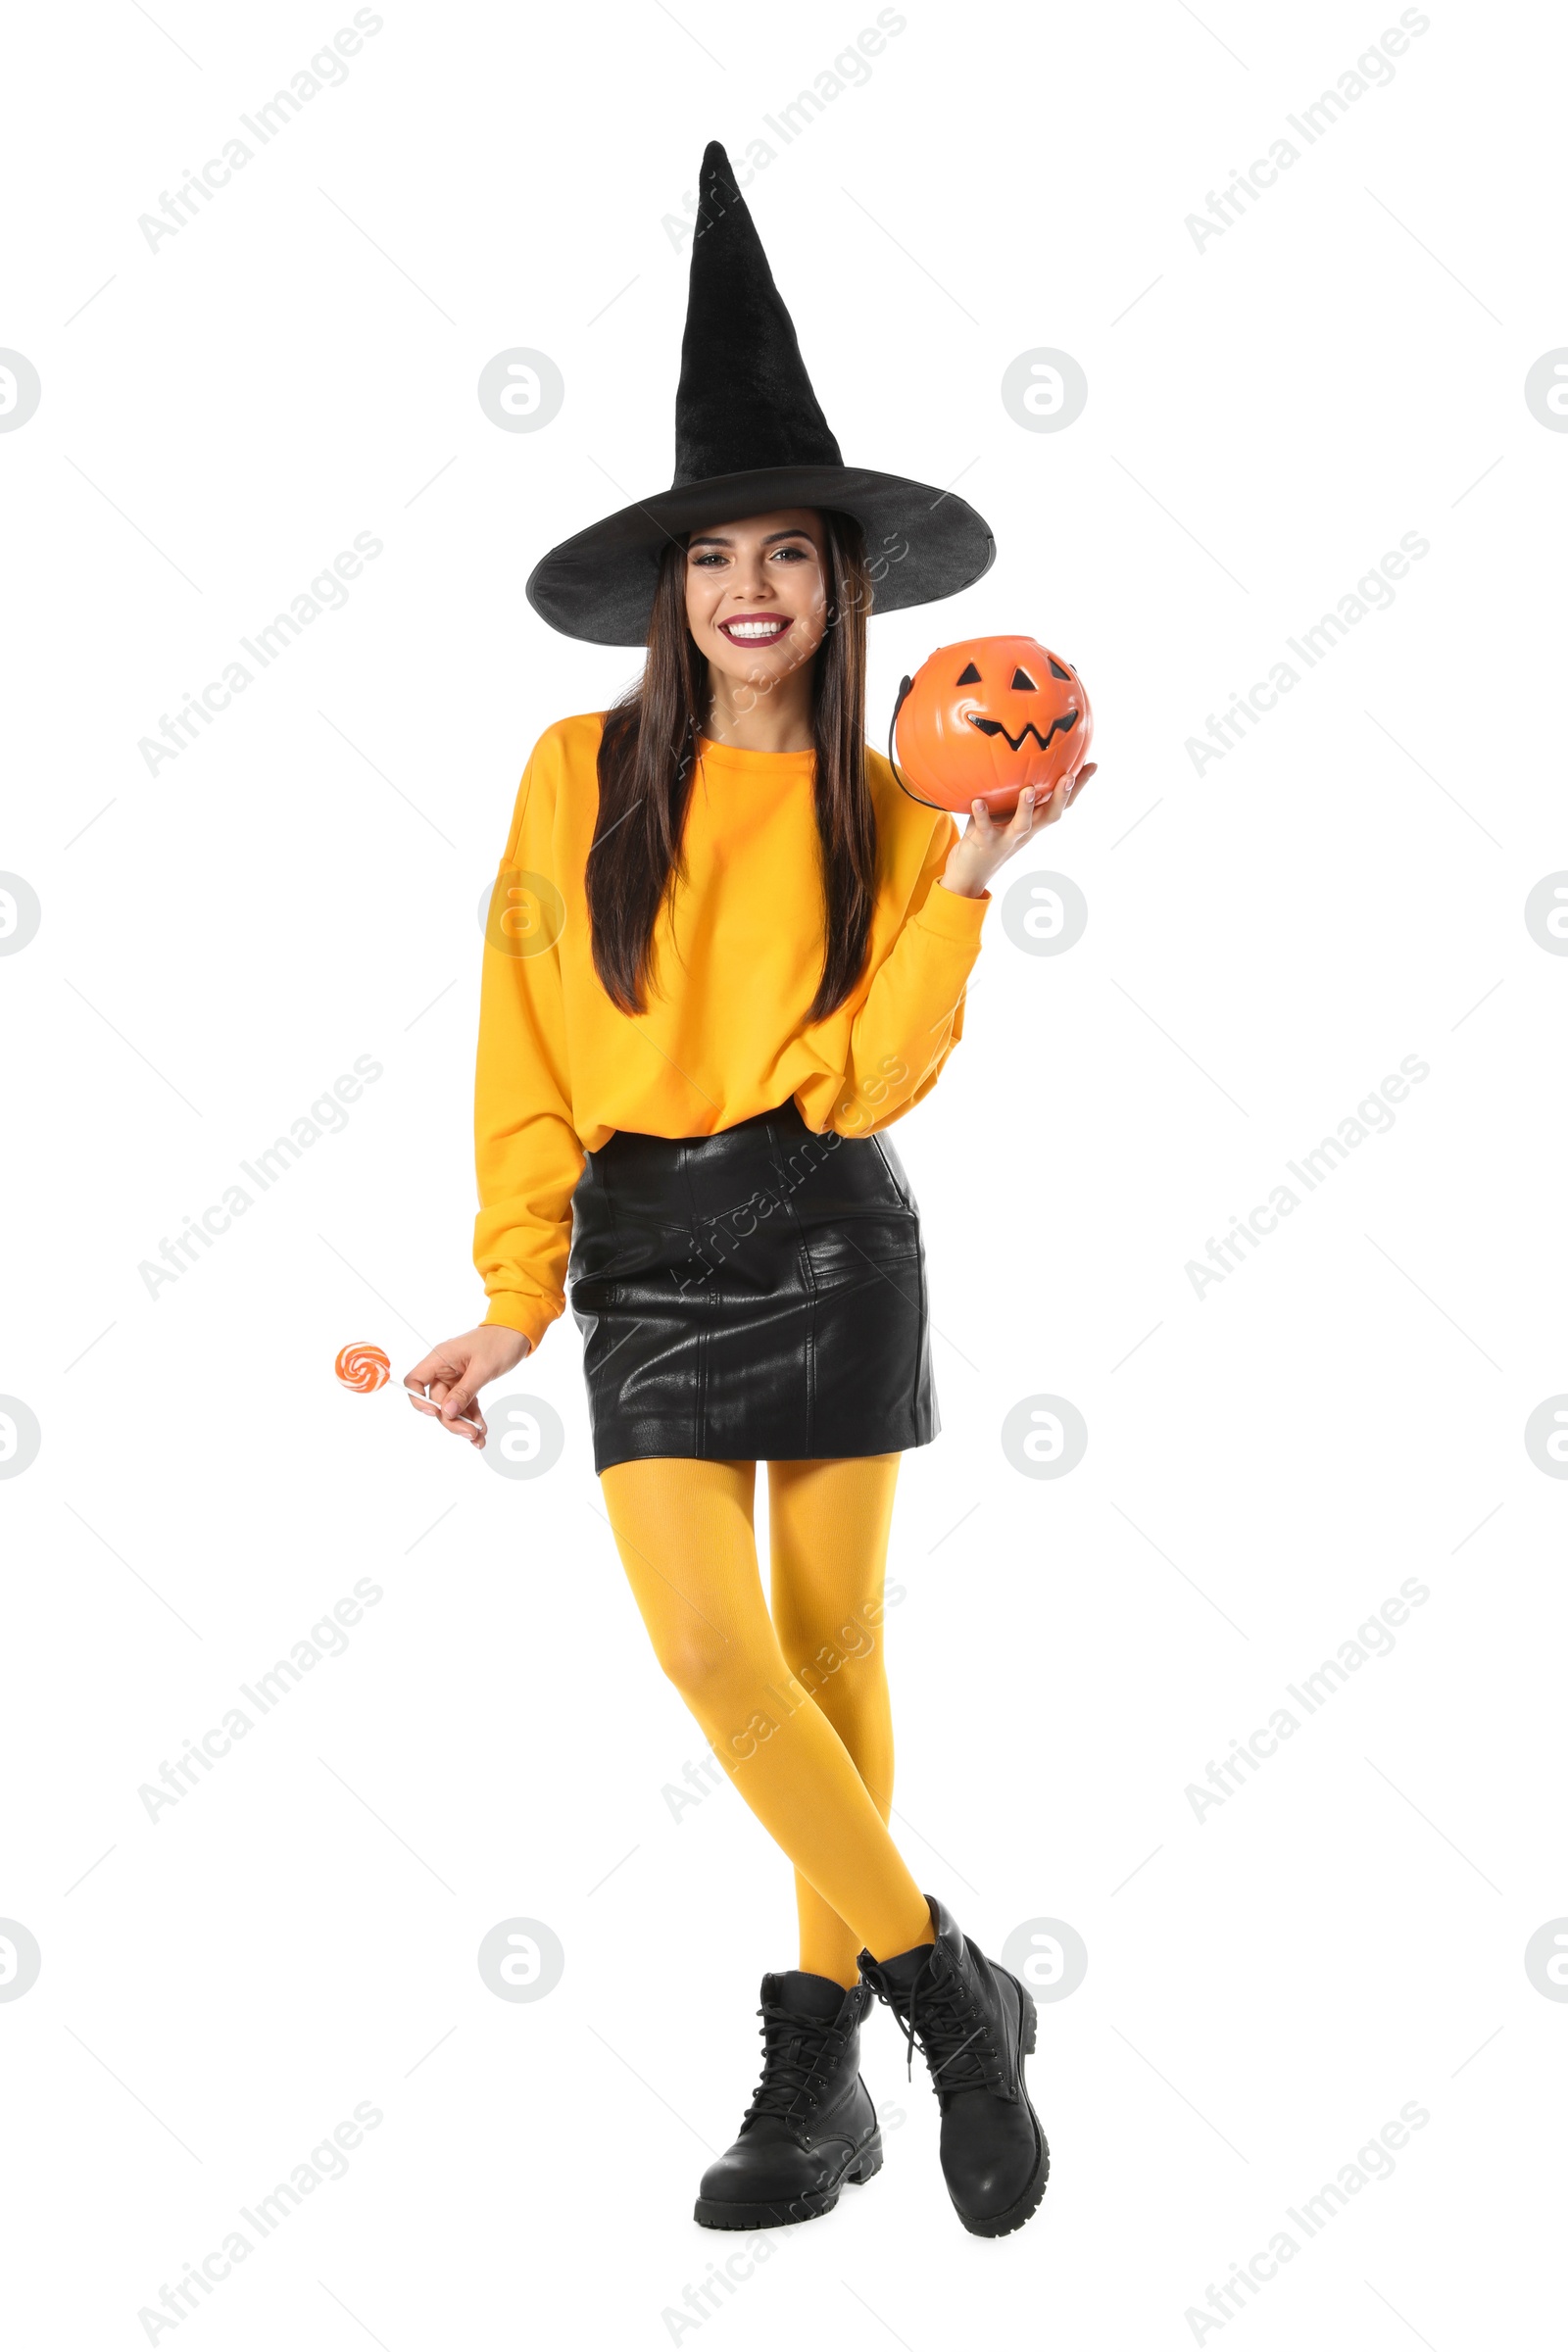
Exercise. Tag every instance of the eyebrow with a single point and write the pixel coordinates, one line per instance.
(714, 539)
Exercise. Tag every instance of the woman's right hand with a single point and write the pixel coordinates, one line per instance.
(447, 1381)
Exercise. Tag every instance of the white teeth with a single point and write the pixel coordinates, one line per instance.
(754, 628)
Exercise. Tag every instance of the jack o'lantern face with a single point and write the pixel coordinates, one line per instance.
(984, 719)
(1023, 683)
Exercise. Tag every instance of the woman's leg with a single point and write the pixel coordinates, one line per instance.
(828, 1525)
(685, 1535)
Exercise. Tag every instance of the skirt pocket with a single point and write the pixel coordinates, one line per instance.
(858, 1251)
(861, 1216)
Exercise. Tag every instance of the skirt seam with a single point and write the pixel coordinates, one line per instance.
(700, 1399)
(898, 1189)
(907, 1201)
(617, 1235)
(921, 1345)
(802, 1259)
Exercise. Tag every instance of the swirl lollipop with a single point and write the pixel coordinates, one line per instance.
(363, 1368)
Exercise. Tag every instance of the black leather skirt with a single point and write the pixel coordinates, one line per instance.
(759, 1295)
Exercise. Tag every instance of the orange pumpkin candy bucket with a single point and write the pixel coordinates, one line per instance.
(983, 720)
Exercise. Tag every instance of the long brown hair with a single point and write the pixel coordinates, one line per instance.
(646, 760)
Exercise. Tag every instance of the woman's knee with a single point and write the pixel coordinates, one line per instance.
(834, 1653)
(711, 1669)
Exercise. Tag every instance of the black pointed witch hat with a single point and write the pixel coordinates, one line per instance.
(750, 437)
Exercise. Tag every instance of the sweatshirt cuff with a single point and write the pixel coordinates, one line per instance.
(951, 915)
(516, 1310)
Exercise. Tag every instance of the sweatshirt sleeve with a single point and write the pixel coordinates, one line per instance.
(912, 1016)
(527, 1157)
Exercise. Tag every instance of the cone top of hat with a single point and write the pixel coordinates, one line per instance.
(750, 438)
(744, 400)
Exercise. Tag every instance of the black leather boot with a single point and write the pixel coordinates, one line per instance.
(810, 2125)
(974, 2022)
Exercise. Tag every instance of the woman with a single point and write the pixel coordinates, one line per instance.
(727, 951)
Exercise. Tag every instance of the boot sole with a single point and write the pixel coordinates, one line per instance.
(1002, 2224)
(808, 2206)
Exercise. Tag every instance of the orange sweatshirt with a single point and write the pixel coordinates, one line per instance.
(736, 965)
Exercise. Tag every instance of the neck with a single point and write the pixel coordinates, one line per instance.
(776, 722)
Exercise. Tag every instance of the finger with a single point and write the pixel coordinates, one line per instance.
(433, 1406)
(431, 1400)
(430, 1389)
(472, 1427)
(1055, 802)
(1023, 816)
(460, 1411)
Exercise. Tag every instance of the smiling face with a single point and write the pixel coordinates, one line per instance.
(757, 595)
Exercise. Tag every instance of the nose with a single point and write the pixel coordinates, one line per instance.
(751, 584)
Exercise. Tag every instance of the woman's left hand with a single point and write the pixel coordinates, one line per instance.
(984, 844)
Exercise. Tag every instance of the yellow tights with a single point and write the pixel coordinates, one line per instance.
(794, 1704)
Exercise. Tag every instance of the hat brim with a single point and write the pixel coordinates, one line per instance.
(921, 544)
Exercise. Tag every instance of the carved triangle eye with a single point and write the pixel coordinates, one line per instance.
(971, 676)
(1058, 671)
(1023, 683)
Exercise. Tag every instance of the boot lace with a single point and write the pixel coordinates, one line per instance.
(796, 2052)
(937, 2012)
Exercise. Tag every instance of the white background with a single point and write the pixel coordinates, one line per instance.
(1267, 1986)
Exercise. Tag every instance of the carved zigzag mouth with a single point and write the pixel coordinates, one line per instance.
(993, 727)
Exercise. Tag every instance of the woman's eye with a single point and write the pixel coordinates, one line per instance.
(716, 555)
